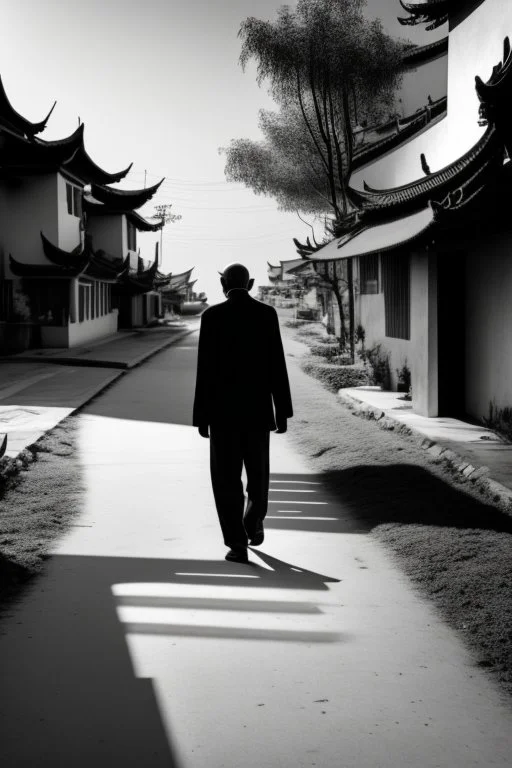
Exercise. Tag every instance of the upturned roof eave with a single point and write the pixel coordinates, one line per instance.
(17, 120)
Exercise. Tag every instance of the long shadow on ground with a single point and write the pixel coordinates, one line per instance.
(358, 499)
(70, 696)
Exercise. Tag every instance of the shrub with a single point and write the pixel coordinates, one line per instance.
(404, 378)
(327, 350)
(378, 363)
(500, 420)
(342, 359)
(335, 377)
(311, 329)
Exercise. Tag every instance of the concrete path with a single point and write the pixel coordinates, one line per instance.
(142, 646)
(39, 389)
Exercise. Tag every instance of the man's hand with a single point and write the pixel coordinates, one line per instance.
(203, 430)
(282, 426)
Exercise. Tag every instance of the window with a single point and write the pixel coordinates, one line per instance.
(397, 295)
(369, 273)
(74, 200)
(132, 236)
(84, 301)
(97, 291)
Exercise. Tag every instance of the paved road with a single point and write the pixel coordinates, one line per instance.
(141, 646)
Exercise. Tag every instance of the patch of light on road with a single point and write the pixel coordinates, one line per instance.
(295, 482)
(294, 501)
(218, 575)
(280, 517)
(291, 490)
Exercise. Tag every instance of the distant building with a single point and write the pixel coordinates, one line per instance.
(294, 283)
(69, 269)
(431, 236)
(178, 296)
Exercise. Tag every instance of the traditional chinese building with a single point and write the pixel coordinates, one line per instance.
(68, 261)
(179, 297)
(430, 238)
(294, 283)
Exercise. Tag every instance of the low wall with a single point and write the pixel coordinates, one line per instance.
(81, 333)
(74, 334)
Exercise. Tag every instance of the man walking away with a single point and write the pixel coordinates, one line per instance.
(241, 379)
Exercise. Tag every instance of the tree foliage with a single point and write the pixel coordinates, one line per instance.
(284, 165)
(328, 69)
(327, 64)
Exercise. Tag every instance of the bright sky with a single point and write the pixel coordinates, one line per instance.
(158, 84)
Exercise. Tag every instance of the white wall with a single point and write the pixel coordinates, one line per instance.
(27, 206)
(489, 325)
(68, 225)
(475, 46)
(423, 358)
(80, 333)
(430, 79)
(370, 313)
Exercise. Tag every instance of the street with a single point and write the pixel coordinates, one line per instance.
(140, 645)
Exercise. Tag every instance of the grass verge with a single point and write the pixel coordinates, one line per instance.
(40, 494)
(452, 542)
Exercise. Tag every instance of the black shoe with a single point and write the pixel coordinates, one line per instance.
(258, 536)
(237, 556)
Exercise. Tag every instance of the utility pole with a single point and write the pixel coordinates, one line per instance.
(163, 214)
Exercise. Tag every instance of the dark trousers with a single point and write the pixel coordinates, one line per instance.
(230, 449)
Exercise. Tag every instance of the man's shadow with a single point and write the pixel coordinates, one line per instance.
(70, 694)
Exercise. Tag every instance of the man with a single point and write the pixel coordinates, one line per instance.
(241, 378)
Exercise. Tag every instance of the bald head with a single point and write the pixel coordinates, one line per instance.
(235, 276)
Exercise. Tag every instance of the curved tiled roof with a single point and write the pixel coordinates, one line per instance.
(435, 12)
(379, 237)
(60, 257)
(420, 54)
(18, 154)
(122, 200)
(14, 120)
(82, 166)
(416, 194)
(21, 269)
(406, 129)
(142, 224)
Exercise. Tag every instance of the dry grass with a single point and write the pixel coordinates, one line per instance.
(453, 544)
(38, 503)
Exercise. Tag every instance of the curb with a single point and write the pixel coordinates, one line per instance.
(80, 361)
(477, 475)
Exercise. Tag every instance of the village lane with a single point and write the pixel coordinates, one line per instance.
(140, 645)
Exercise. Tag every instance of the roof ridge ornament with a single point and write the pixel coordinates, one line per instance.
(495, 95)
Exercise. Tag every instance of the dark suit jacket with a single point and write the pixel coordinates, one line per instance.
(241, 369)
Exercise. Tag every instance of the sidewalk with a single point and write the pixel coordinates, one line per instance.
(38, 389)
(124, 349)
(476, 452)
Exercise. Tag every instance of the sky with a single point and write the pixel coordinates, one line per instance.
(158, 83)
